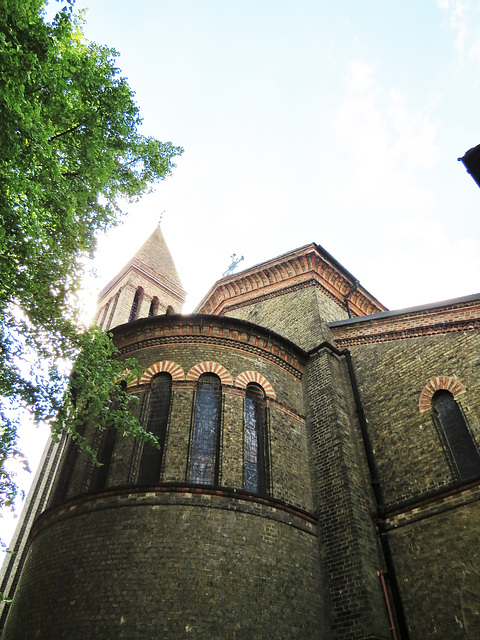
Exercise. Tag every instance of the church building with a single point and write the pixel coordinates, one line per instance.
(317, 476)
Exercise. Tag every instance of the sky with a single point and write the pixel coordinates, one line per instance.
(335, 123)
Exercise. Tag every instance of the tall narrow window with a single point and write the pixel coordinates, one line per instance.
(105, 446)
(104, 457)
(68, 464)
(255, 469)
(459, 442)
(112, 312)
(104, 315)
(153, 311)
(158, 411)
(203, 464)
(135, 303)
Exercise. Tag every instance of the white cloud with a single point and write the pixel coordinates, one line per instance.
(456, 18)
(384, 142)
(464, 21)
(415, 130)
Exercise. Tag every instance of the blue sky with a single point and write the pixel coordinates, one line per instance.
(336, 123)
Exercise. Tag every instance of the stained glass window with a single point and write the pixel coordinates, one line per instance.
(460, 445)
(158, 411)
(255, 469)
(206, 431)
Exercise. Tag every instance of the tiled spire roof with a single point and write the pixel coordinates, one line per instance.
(155, 254)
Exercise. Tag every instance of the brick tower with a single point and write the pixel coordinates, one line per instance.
(147, 286)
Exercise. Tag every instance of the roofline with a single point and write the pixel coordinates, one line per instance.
(299, 250)
(339, 266)
(407, 310)
(234, 276)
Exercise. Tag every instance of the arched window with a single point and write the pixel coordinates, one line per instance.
(112, 312)
(255, 444)
(104, 315)
(105, 445)
(69, 462)
(158, 412)
(456, 435)
(153, 311)
(135, 304)
(104, 457)
(204, 450)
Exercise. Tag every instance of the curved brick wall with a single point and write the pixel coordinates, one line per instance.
(172, 559)
(169, 565)
(232, 349)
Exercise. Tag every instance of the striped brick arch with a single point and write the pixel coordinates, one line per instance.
(126, 373)
(253, 376)
(166, 366)
(447, 383)
(210, 367)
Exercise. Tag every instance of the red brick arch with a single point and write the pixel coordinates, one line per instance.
(210, 367)
(253, 376)
(126, 373)
(166, 366)
(448, 383)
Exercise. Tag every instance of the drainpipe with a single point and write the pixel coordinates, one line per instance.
(381, 575)
(375, 482)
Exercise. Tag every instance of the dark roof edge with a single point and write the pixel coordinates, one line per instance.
(340, 267)
(399, 312)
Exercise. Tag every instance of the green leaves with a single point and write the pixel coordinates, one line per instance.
(70, 151)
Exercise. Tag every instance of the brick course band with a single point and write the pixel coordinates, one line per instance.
(442, 503)
(444, 318)
(282, 359)
(400, 334)
(165, 495)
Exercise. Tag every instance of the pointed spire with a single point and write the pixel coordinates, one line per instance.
(148, 285)
(155, 254)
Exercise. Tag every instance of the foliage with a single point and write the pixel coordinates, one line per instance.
(70, 148)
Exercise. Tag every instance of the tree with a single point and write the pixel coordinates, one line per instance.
(70, 149)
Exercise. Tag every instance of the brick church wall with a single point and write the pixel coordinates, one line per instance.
(148, 565)
(344, 502)
(299, 315)
(432, 518)
(391, 377)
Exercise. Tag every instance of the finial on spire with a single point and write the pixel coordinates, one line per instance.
(160, 218)
(233, 265)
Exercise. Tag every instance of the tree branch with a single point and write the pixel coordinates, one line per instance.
(64, 133)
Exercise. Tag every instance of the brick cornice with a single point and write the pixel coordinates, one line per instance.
(200, 329)
(451, 316)
(303, 267)
(245, 301)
